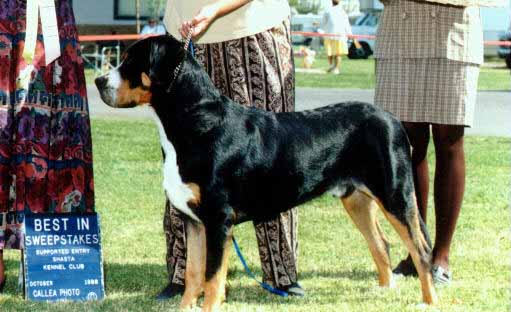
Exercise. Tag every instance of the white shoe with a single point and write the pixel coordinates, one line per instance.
(336, 71)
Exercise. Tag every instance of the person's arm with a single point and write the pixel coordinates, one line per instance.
(324, 21)
(208, 14)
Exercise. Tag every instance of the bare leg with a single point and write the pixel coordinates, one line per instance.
(449, 187)
(418, 134)
(338, 62)
(331, 63)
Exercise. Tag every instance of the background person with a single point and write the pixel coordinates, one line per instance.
(153, 27)
(428, 57)
(336, 21)
(245, 48)
(45, 139)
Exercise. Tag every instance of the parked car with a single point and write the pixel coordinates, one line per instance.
(505, 51)
(305, 22)
(366, 24)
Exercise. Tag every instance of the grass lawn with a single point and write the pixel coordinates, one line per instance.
(359, 74)
(335, 267)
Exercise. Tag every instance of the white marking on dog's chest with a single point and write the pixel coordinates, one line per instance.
(178, 193)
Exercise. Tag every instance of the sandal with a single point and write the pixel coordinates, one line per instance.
(441, 276)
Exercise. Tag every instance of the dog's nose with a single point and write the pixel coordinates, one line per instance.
(101, 82)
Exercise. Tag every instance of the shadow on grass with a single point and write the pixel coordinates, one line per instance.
(133, 287)
(11, 273)
(351, 274)
(128, 278)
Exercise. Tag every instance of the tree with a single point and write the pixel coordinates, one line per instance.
(305, 6)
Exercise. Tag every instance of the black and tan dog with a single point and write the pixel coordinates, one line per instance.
(226, 164)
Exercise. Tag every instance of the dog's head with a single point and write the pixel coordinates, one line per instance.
(146, 65)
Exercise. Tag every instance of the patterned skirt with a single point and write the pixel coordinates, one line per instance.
(256, 70)
(429, 90)
(45, 138)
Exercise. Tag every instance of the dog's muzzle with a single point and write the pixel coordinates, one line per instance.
(106, 91)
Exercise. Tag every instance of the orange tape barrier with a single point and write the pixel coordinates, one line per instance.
(85, 38)
(313, 34)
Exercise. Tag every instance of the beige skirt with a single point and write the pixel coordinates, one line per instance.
(438, 91)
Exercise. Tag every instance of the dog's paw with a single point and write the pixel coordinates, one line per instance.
(189, 308)
(426, 307)
(391, 284)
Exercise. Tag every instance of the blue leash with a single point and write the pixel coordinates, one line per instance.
(237, 248)
(249, 273)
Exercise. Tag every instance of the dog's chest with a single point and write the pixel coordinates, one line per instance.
(178, 193)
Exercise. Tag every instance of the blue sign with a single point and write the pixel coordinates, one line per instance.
(63, 260)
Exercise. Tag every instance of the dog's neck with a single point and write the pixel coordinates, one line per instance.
(194, 104)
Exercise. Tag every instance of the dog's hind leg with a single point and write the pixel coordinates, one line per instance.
(412, 232)
(362, 210)
(195, 264)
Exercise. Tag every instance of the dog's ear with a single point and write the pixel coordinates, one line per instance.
(164, 57)
(159, 70)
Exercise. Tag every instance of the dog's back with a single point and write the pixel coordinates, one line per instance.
(273, 162)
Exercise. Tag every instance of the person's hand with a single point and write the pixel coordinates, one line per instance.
(200, 22)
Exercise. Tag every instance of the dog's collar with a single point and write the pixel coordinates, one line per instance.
(188, 40)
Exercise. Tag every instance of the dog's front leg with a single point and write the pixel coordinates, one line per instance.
(218, 242)
(195, 264)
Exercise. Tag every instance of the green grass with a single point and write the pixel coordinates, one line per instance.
(359, 74)
(335, 267)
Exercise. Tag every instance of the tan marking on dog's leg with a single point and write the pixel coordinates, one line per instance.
(362, 210)
(214, 290)
(195, 201)
(195, 264)
(419, 251)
